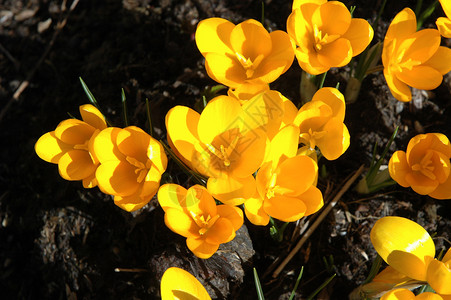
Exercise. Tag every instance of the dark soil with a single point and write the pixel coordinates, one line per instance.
(58, 240)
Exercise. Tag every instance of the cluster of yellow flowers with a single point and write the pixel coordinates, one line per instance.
(126, 163)
(409, 251)
(257, 149)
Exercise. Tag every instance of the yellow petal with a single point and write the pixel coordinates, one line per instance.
(360, 33)
(441, 60)
(336, 140)
(264, 111)
(444, 26)
(313, 200)
(284, 145)
(221, 114)
(399, 168)
(221, 232)
(231, 213)
(332, 18)
(310, 63)
(298, 3)
(117, 178)
(213, 35)
(199, 201)
(446, 6)
(131, 203)
(296, 175)
(181, 223)
(201, 248)
(151, 183)
(250, 39)
(421, 77)
(172, 196)
(404, 245)
(290, 112)
(399, 89)
(299, 28)
(76, 165)
(287, 209)
(225, 70)
(50, 148)
(398, 294)
(403, 25)
(253, 207)
(282, 49)
(133, 142)
(421, 45)
(420, 183)
(333, 98)
(90, 181)
(231, 191)
(269, 70)
(179, 284)
(443, 190)
(91, 115)
(104, 145)
(439, 277)
(336, 54)
(247, 91)
(74, 132)
(181, 125)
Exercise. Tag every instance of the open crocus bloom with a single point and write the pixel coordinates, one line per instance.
(412, 58)
(444, 24)
(177, 283)
(193, 214)
(243, 53)
(405, 294)
(439, 274)
(226, 143)
(404, 245)
(326, 35)
(321, 123)
(132, 163)
(425, 166)
(70, 146)
(285, 183)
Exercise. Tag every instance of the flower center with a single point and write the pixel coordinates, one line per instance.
(399, 65)
(84, 146)
(249, 65)
(204, 223)
(311, 137)
(425, 166)
(320, 39)
(224, 153)
(141, 168)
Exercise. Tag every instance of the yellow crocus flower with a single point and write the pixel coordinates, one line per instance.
(444, 24)
(177, 283)
(326, 35)
(70, 146)
(413, 58)
(244, 53)
(194, 214)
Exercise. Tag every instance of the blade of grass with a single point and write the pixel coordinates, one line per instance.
(258, 286)
(124, 108)
(310, 297)
(92, 99)
(149, 119)
(293, 293)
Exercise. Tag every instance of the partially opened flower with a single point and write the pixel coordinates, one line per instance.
(225, 143)
(193, 214)
(70, 146)
(412, 58)
(177, 283)
(326, 35)
(425, 166)
(439, 274)
(444, 24)
(405, 294)
(404, 245)
(321, 123)
(285, 183)
(132, 163)
(243, 53)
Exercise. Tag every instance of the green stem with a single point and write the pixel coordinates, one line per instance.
(322, 79)
(374, 69)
